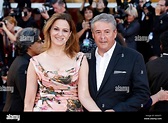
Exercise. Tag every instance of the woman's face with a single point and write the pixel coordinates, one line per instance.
(60, 32)
(88, 14)
(130, 18)
(10, 26)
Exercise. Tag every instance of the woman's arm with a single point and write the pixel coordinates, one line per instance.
(31, 88)
(83, 89)
(85, 26)
(82, 5)
(11, 36)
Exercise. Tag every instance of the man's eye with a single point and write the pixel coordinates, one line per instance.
(97, 32)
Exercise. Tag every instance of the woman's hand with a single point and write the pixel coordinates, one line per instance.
(85, 25)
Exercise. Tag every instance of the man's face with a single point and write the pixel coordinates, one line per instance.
(104, 35)
(26, 15)
(58, 8)
(141, 3)
(163, 8)
(37, 47)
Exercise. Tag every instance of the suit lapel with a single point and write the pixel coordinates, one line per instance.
(92, 74)
(117, 54)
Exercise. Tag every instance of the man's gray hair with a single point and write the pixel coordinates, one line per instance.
(104, 17)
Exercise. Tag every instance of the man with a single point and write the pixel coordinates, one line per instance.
(26, 19)
(28, 44)
(59, 6)
(117, 75)
(160, 25)
(146, 14)
(157, 71)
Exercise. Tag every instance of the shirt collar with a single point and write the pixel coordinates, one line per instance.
(109, 52)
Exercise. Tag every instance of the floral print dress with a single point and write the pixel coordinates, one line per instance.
(58, 89)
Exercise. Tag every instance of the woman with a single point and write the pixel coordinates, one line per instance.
(130, 28)
(10, 28)
(10, 31)
(86, 41)
(60, 74)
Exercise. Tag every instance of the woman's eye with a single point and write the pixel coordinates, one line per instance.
(65, 31)
(56, 29)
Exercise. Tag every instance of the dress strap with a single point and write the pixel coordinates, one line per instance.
(79, 58)
(36, 64)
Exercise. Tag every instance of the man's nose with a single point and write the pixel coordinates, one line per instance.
(103, 35)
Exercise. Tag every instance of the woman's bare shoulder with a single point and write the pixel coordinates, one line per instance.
(40, 56)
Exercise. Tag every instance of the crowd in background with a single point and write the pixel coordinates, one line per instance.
(139, 27)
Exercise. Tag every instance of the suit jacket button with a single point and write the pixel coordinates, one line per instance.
(103, 105)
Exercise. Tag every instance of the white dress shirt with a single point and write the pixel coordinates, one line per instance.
(102, 63)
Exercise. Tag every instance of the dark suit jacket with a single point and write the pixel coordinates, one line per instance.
(125, 84)
(160, 25)
(157, 71)
(16, 80)
(129, 32)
